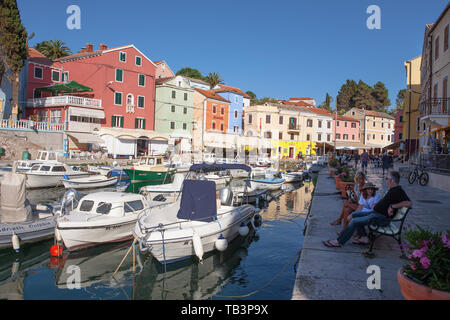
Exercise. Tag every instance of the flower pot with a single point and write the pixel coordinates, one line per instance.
(412, 290)
(338, 181)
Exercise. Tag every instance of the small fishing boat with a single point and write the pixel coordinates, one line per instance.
(258, 172)
(150, 168)
(99, 218)
(270, 183)
(43, 156)
(270, 174)
(218, 178)
(197, 222)
(50, 174)
(22, 222)
(91, 181)
(239, 174)
(292, 176)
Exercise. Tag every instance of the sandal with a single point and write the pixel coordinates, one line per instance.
(330, 244)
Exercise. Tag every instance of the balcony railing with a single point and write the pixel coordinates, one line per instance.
(437, 106)
(65, 101)
(28, 125)
(294, 127)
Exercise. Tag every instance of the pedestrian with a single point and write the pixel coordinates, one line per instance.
(356, 157)
(382, 213)
(364, 161)
(386, 162)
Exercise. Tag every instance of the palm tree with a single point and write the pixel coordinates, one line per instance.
(213, 79)
(53, 49)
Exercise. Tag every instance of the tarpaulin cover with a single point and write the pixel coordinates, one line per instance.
(198, 201)
(219, 166)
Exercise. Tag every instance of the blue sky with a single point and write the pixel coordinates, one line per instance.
(281, 49)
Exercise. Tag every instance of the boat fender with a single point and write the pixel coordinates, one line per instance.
(56, 250)
(58, 235)
(198, 246)
(15, 242)
(66, 177)
(243, 229)
(221, 243)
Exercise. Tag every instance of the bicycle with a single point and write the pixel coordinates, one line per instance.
(419, 174)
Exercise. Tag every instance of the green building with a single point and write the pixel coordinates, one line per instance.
(174, 108)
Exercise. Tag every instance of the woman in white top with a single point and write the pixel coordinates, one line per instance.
(369, 198)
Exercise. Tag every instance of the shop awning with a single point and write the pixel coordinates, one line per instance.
(69, 87)
(86, 137)
(393, 146)
(85, 112)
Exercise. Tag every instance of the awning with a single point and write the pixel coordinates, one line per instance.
(85, 112)
(85, 137)
(393, 146)
(69, 87)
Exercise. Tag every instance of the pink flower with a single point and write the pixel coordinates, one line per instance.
(446, 241)
(417, 253)
(413, 267)
(425, 262)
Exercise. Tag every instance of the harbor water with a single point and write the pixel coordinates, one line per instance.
(259, 266)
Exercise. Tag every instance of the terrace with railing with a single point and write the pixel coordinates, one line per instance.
(65, 101)
(436, 106)
(29, 125)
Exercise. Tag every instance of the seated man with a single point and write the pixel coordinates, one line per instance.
(383, 211)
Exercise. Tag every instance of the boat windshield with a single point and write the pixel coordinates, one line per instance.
(86, 205)
(58, 169)
(103, 208)
(35, 167)
(45, 168)
(131, 206)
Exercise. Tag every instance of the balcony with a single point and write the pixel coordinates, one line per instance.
(65, 101)
(435, 107)
(28, 125)
(294, 127)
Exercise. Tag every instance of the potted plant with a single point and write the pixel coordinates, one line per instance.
(332, 165)
(347, 179)
(427, 274)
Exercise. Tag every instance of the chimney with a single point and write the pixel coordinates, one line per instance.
(103, 46)
(83, 50)
(89, 47)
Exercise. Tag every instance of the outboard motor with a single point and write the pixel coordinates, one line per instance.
(226, 196)
(70, 201)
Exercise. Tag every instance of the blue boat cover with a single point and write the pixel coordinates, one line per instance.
(198, 201)
(205, 167)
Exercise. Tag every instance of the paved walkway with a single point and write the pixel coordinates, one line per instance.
(341, 273)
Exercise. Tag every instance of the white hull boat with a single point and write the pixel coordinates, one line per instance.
(261, 184)
(292, 176)
(239, 174)
(100, 218)
(92, 181)
(195, 224)
(168, 189)
(219, 180)
(258, 172)
(50, 175)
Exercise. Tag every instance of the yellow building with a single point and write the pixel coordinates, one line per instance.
(411, 117)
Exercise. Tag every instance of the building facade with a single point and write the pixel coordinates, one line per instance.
(163, 70)
(434, 101)
(236, 97)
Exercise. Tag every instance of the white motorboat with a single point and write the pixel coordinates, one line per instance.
(101, 217)
(50, 174)
(43, 156)
(258, 172)
(197, 222)
(22, 222)
(261, 184)
(91, 181)
(218, 179)
(239, 174)
(169, 189)
(270, 174)
(292, 176)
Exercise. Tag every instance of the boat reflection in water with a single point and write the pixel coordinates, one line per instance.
(15, 266)
(184, 280)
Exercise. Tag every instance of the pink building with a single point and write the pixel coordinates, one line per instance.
(345, 129)
(121, 106)
(163, 70)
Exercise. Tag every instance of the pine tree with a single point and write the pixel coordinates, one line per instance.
(13, 47)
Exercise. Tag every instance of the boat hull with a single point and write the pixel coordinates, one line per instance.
(73, 184)
(49, 180)
(155, 176)
(174, 249)
(76, 238)
(261, 185)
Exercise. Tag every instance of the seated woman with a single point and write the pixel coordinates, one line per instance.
(351, 204)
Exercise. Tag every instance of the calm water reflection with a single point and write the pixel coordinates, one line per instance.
(246, 270)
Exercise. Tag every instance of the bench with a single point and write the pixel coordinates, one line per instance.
(393, 229)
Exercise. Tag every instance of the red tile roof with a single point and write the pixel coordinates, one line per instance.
(162, 80)
(345, 118)
(210, 94)
(225, 88)
(36, 56)
(377, 114)
(301, 98)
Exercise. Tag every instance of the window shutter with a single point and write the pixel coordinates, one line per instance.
(112, 121)
(136, 123)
